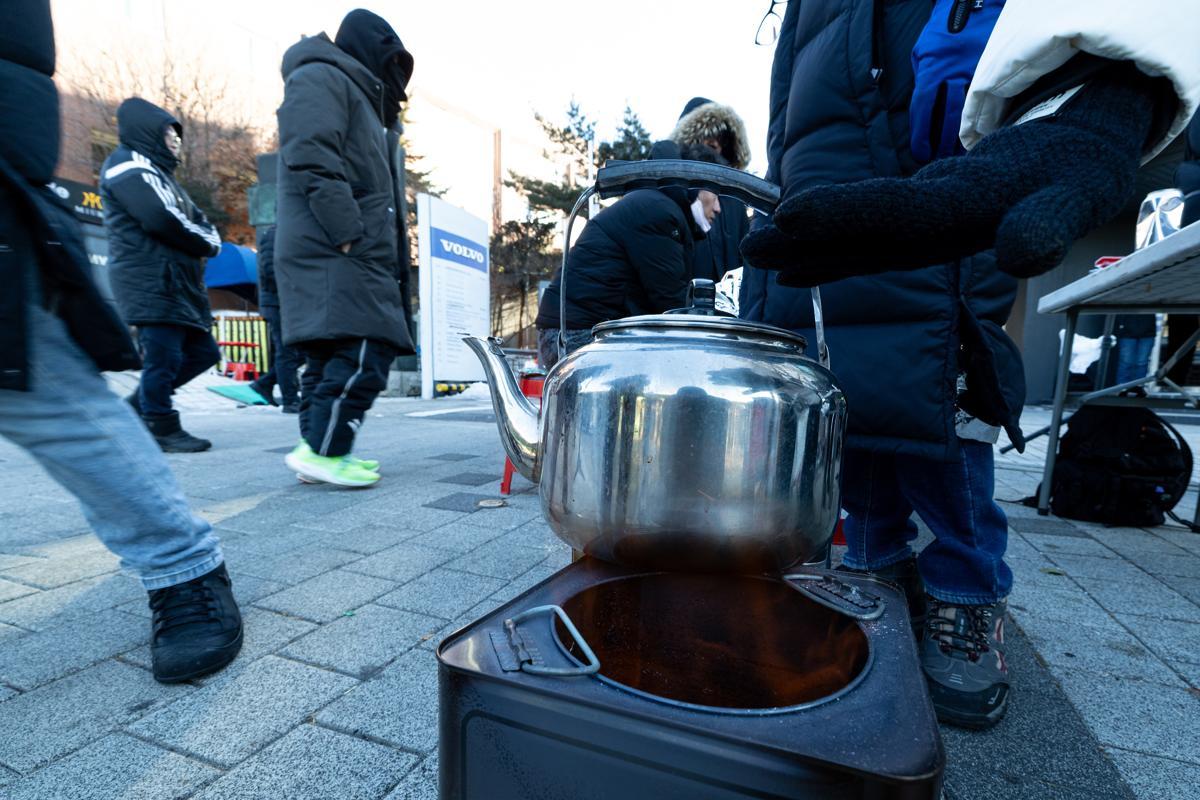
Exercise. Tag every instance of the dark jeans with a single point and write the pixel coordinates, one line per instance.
(342, 378)
(548, 350)
(965, 561)
(1133, 358)
(171, 356)
(285, 361)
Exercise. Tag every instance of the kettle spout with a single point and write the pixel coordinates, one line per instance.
(520, 428)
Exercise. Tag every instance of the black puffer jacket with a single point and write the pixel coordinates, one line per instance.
(702, 120)
(335, 187)
(39, 238)
(633, 258)
(840, 87)
(156, 234)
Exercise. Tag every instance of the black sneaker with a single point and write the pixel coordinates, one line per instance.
(197, 627)
(291, 408)
(265, 393)
(963, 662)
(905, 576)
(171, 437)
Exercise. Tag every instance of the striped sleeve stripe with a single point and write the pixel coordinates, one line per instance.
(122, 168)
(168, 200)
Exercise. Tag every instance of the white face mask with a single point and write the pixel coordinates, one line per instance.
(698, 215)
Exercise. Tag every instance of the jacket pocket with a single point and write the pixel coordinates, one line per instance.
(378, 242)
(994, 372)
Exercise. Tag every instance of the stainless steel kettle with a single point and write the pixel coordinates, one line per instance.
(682, 441)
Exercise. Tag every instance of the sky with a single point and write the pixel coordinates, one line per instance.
(479, 65)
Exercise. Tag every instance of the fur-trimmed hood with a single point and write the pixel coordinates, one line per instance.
(711, 120)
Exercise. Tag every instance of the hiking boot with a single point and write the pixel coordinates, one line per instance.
(265, 393)
(338, 470)
(171, 437)
(904, 576)
(197, 627)
(963, 661)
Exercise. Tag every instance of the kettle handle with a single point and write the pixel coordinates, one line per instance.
(616, 178)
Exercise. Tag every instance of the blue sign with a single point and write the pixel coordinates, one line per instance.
(449, 247)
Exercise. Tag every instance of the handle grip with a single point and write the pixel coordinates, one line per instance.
(616, 178)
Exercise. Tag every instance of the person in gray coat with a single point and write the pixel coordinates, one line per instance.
(336, 257)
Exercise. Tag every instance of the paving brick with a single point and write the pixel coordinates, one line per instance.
(37, 658)
(1132, 715)
(368, 539)
(116, 766)
(1041, 525)
(1153, 778)
(7, 776)
(1188, 587)
(229, 720)
(1146, 599)
(456, 537)
(442, 593)
(57, 606)
(264, 632)
(474, 613)
(1114, 570)
(315, 764)
(419, 784)
(519, 511)
(1131, 542)
(1065, 603)
(9, 561)
(53, 572)
(1184, 565)
(397, 706)
(44, 724)
(535, 533)
(1190, 672)
(1106, 651)
(499, 560)
(295, 567)
(11, 591)
(1169, 639)
(365, 642)
(452, 457)
(471, 478)
(1071, 545)
(528, 580)
(463, 502)
(1185, 539)
(401, 563)
(326, 597)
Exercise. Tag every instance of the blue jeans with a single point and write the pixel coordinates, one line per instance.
(93, 444)
(965, 561)
(1133, 358)
(172, 356)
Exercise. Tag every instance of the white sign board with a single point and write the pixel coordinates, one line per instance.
(455, 291)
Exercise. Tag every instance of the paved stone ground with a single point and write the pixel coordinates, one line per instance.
(346, 595)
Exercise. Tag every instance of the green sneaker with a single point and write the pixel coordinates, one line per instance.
(366, 463)
(339, 470)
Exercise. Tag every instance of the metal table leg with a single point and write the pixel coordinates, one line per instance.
(1060, 400)
(1106, 348)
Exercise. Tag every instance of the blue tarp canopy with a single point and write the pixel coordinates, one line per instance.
(235, 265)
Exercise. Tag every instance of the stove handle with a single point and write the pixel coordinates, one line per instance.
(527, 659)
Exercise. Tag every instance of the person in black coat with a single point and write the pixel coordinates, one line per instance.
(634, 258)
(56, 334)
(285, 360)
(337, 261)
(719, 128)
(157, 238)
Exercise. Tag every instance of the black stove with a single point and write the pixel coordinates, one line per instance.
(609, 682)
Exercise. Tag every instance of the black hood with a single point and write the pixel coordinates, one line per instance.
(668, 149)
(140, 127)
(693, 104)
(371, 41)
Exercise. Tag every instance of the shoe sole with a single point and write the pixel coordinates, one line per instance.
(169, 449)
(975, 722)
(303, 471)
(230, 652)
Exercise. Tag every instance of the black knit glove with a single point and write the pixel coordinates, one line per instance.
(1028, 190)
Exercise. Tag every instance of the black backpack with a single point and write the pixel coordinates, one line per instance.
(1120, 466)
